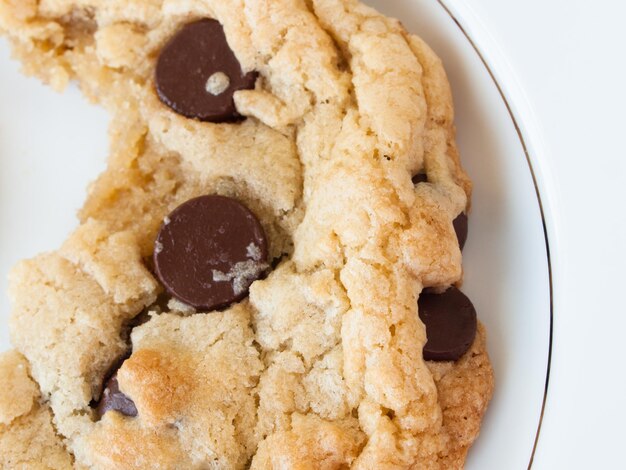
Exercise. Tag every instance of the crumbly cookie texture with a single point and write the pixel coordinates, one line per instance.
(27, 437)
(321, 367)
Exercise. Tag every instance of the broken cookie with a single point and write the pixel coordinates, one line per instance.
(273, 247)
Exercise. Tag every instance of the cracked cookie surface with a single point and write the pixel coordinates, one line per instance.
(321, 365)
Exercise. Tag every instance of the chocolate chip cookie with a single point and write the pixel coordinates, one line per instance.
(267, 273)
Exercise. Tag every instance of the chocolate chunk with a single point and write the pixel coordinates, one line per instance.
(420, 178)
(197, 73)
(460, 227)
(450, 320)
(208, 252)
(113, 399)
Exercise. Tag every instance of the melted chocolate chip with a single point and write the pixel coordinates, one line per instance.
(208, 252)
(450, 320)
(113, 399)
(420, 178)
(197, 73)
(460, 227)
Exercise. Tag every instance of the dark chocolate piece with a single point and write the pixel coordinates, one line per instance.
(460, 227)
(208, 252)
(420, 178)
(197, 73)
(450, 320)
(113, 399)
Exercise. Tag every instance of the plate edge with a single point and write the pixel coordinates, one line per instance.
(526, 150)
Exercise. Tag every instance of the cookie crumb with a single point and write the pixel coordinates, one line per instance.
(241, 274)
(254, 252)
(217, 83)
(176, 305)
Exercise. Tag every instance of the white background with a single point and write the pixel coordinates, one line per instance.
(564, 63)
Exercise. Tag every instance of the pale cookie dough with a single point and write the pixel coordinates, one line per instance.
(321, 366)
(27, 438)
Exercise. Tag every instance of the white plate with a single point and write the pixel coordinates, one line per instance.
(560, 64)
(51, 146)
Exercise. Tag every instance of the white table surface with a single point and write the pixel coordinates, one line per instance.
(562, 63)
